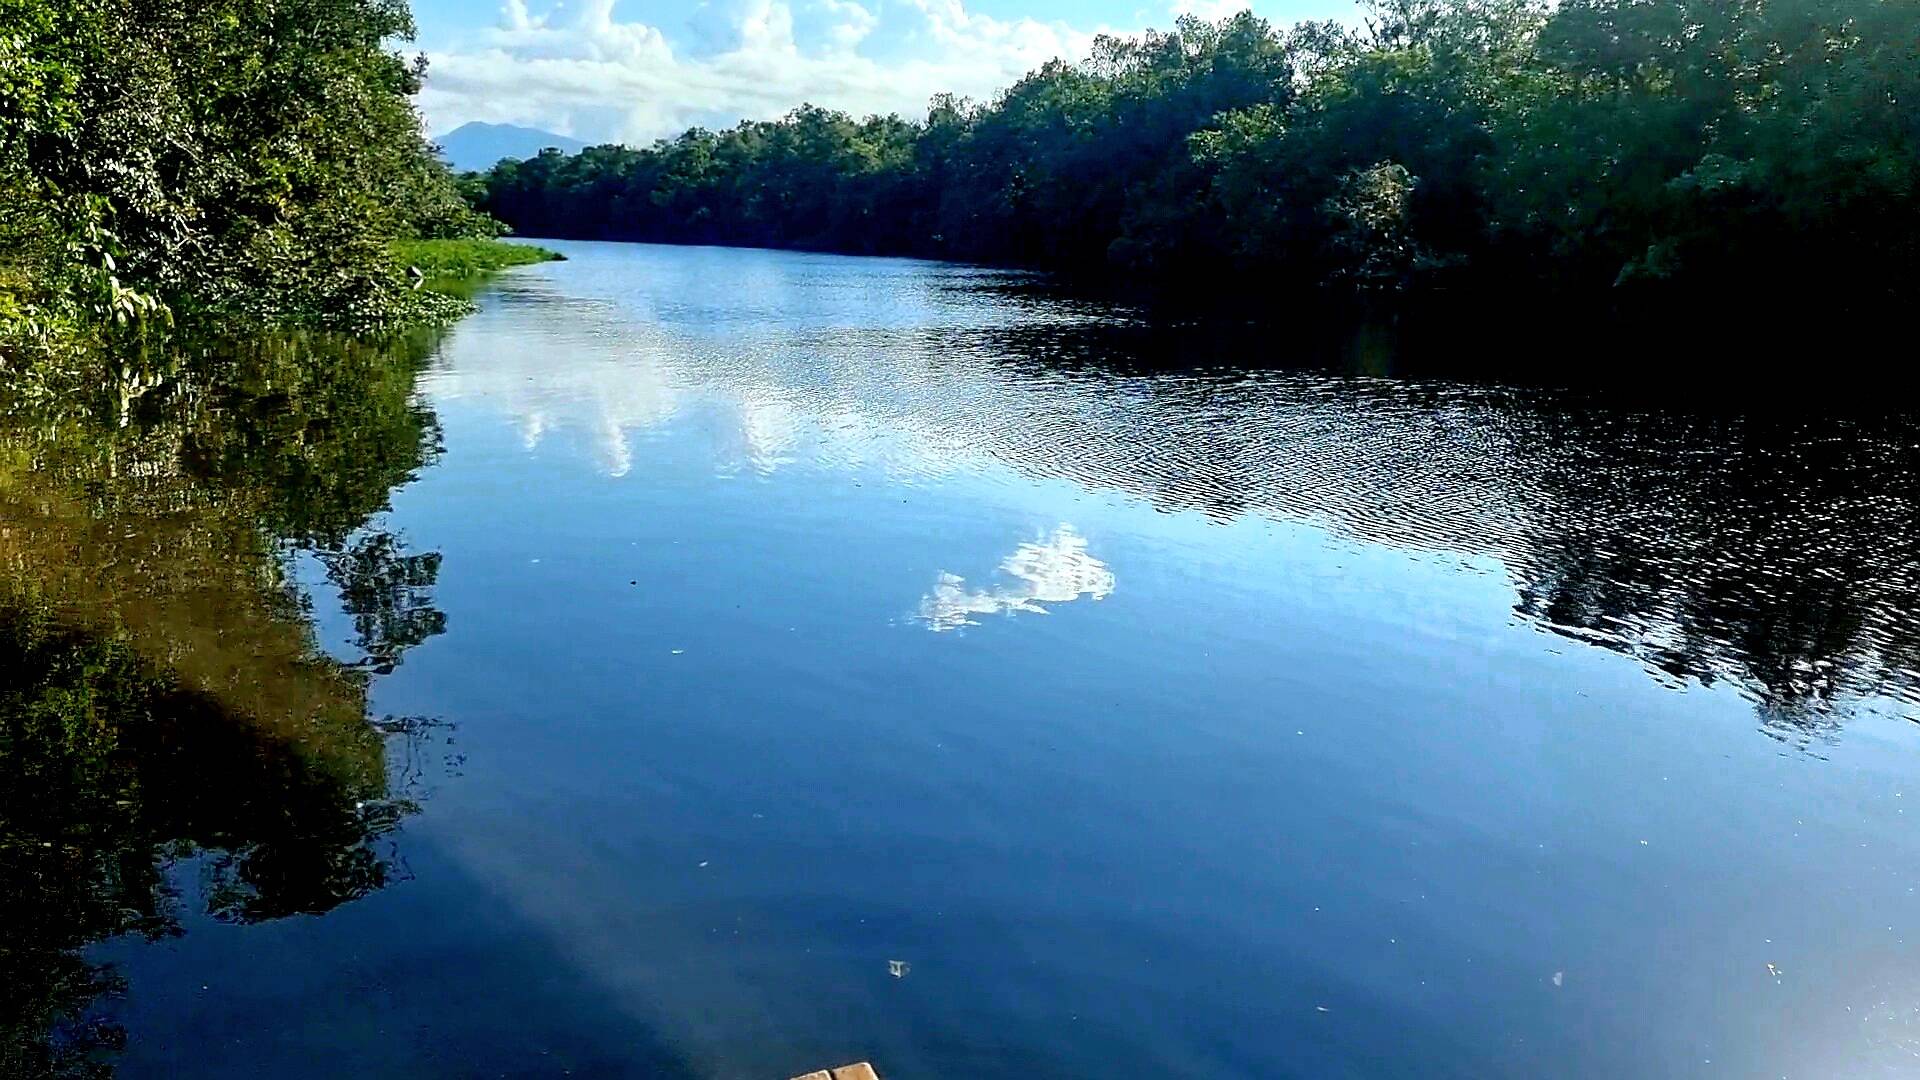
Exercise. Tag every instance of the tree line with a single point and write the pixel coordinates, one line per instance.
(1592, 147)
(229, 159)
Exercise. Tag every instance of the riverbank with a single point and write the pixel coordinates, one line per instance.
(1514, 151)
(66, 356)
(167, 178)
(467, 258)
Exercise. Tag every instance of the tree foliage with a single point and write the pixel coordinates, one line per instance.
(247, 158)
(1594, 147)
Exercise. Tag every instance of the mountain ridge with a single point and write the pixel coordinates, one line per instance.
(477, 146)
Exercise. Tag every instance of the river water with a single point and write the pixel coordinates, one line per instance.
(714, 663)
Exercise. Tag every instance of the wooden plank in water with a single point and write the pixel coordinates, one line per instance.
(859, 1070)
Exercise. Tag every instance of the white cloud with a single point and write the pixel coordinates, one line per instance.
(585, 71)
(1210, 10)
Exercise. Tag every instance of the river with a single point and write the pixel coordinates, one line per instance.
(724, 664)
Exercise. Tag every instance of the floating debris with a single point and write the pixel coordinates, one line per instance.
(859, 1070)
(898, 968)
(1559, 978)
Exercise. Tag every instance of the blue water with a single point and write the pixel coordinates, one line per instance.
(1182, 715)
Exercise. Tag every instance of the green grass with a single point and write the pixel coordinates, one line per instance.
(443, 259)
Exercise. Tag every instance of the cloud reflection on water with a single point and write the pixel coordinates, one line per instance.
(1055, 569)
(1757, 551)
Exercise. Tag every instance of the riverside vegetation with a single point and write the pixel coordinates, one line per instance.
(1615, 149)
(215, 223)
(234, 163)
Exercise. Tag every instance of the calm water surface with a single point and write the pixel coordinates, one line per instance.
(713, 628)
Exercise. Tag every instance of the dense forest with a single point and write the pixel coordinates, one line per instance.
(244, 160)
(1594, 147)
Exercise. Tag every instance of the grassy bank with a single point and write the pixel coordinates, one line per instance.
(465, 258)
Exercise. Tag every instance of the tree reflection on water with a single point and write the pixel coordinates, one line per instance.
(163, 697)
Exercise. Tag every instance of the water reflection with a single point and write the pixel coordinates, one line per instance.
(164, 706)
(1774, 553)
(1298, 763)
(389, 594)
(1055, 569)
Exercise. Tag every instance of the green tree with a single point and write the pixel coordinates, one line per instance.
(233, 158)
(1605, 150)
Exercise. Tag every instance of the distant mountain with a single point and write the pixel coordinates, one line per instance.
(479, 146)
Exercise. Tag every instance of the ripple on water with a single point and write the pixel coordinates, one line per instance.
(1776, 554)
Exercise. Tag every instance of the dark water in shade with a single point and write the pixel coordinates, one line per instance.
(714, 627)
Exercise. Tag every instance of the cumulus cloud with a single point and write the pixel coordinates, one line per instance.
(1210, 10)
(585, 70)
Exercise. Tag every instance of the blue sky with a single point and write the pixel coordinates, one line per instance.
(635, 70)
